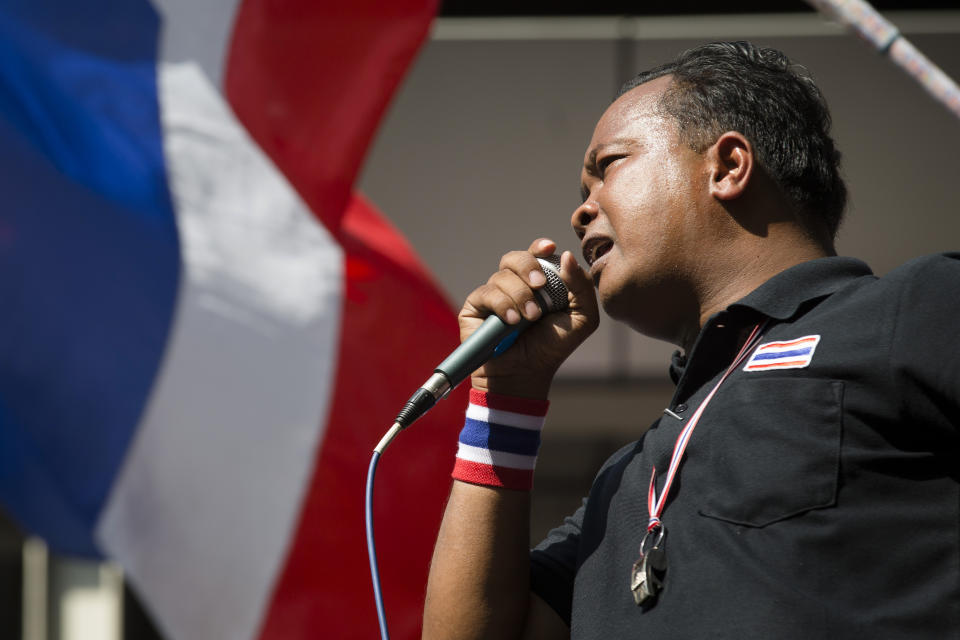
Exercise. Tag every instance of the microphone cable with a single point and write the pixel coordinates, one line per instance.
(492, 338)
(371, 543)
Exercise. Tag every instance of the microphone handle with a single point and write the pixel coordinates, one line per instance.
(492, 338)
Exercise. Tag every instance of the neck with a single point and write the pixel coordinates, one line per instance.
(742, 272)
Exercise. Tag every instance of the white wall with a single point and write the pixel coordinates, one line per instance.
(481, 150)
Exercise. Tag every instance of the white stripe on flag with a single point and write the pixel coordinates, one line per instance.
(198, 32)
(495, 458)
(203, 511)
(505, 418)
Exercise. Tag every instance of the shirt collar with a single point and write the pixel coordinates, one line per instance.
(781, 296)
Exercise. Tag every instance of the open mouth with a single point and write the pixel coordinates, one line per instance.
(595, 249)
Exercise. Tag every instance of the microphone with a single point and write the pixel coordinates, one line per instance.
(492, 338)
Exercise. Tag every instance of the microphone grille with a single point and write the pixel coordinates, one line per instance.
(554, 294)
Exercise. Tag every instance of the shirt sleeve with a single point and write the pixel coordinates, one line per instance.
(553, 564)
(926, 344)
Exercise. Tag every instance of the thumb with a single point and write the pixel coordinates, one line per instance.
(578, 282)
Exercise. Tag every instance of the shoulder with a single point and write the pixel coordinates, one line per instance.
(926, 288)
(922, 287)
(925, 352)
(941, 269)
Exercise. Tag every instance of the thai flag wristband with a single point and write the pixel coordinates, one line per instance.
(500, 440)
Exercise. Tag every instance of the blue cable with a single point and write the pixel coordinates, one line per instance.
(372, 549)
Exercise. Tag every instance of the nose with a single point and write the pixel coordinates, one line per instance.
(583, 216)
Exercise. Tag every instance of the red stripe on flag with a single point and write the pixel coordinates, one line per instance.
(771, 365)
(513, 404)
(777, 345)
(490, 476)
(310, 81)
(396, 328)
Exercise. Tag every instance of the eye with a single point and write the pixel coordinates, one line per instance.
(605, 162)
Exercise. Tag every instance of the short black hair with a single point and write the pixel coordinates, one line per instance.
(759, 92)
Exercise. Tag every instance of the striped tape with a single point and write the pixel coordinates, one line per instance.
(499, 441)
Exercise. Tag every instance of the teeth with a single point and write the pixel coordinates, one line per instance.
(596, 250)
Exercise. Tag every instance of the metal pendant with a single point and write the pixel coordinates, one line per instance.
(646, 577)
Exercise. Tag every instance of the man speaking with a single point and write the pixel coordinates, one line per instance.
(803, 482)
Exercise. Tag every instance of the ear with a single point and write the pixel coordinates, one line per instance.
(732, 164)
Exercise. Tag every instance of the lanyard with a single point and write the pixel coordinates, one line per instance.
(655, 504)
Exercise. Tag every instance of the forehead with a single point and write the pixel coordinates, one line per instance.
(631, 115)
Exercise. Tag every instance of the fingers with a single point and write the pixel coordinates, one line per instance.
(543, 247)
(507, 295)
(578, 282)
(525, 265)
(527, 369)
(510, 293)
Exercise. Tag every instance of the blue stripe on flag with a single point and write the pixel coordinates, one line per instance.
(771, 355)
(89, 256)
(500, 438)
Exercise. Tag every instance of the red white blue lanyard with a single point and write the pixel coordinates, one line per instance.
(655, 504)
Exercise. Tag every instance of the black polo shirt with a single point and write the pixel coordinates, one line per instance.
(821, 501)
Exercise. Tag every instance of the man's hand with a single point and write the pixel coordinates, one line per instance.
(479, 584)
(528, 367)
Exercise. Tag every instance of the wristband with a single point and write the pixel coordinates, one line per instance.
(500, 440)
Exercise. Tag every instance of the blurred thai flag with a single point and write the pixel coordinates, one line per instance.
(203, 332)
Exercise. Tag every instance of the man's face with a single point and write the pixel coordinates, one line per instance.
(643, 190)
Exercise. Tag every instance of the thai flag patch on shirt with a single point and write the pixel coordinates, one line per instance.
(786, 354)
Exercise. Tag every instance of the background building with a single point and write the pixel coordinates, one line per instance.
(480, 153)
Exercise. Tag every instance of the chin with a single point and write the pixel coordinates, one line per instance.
(650, 310)
(616, 304)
